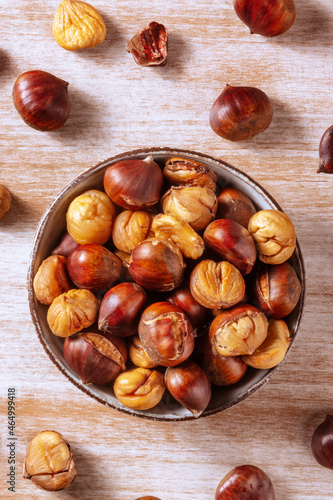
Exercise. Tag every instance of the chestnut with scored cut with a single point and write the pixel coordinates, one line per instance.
(322, 443)
(166, 334)
(240, 113)
(245, 482)
(149, 47)
(120, 309)
(185, 172)
(277, 289)
(190, 386)
(326, 152)
(232, 242)
(235, 205)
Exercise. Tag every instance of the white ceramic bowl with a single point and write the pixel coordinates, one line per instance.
(53, 225)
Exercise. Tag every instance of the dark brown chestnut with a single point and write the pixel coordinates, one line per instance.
(240, 113)
(232, 242)
(134, 184)
(157, 265)
(326, 152)
(221, 370)
(277, 289)
(41, 100)
(245, 482)
(149, 47)
(182, 297)
(266, 17)
(120, 309)
(190, 386)
(235, 205)
(94, 267)
(96, 358)
(166, 334)
(66, 246)
(322, 443)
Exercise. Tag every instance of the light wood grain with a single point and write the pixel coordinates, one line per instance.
(117, 106)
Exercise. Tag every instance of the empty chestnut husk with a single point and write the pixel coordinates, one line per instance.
(322, 443)
(149, 47)
(245, 482)
(326, 152)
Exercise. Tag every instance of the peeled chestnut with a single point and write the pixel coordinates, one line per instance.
(134, 184)
(120, 309)
(95, 357)
(245, 482)
(235, 205)
(149, 47)
(232, 242)
(41, 100)
(266, 17)
(190, 386)
(322, 443)
(139, 388)
(240, 113)
(182, 297)
(94, 267)
(157, 265)
(326, 152)
(277, 289)
(166, 334)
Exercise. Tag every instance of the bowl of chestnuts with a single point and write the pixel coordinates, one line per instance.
(166, 284)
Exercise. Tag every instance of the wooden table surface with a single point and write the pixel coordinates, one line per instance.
(117, 106)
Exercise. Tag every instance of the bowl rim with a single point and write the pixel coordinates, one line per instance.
(100, 166)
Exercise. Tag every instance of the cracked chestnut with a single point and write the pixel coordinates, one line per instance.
(149, 47)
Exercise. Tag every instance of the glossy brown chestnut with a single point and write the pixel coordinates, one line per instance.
(221, 370)
(96, 358)
(266, 17)
(149, 47)
(134, 184)
(245, 482)
(240, 113)
(120, 309)
(66, 246)
(326, 152)
(157, 265)
(41, 100)
(232, 242)
(166, 334)
(235, 205)
(322, 443)
(182, 297)
(94, 267)
(277, 289)
(190, 386)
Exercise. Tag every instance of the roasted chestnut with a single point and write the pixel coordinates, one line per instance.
(245, 482)
(240, 113)
(138, 354)
(157, 265)
(120, 309)
(139, 388)
(51, 279)
(166, 334)
(277, 289)
(96, 358)
(149, 47)
(266, 17)
(41, 100)
(322, 443)
(134, 184)
(232, 242)
(235, 205)
(326, 152)
(182, 297)
(185, 172)
(190, 386)
(130, 228)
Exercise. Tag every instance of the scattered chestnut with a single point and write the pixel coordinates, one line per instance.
(166, 334)
(221, 370)
(51, 279)
(232, 242)
(120, 309)
(190, 386)
(65, 246)
(266, 17)
(182, 297)
(5, 200)
(277, 289)
(149, 47)
(139, 388)
(322, 443)
(240, 113)
(41, 100)
(94, 267)
(326, 152)
(49, 462)
(94, 357)
(134, 184)
(157, 265)
(235, 205)
(245, 482)
(185, 172)
(238, 330)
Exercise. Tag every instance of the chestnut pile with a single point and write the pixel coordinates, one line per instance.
(162, 282)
